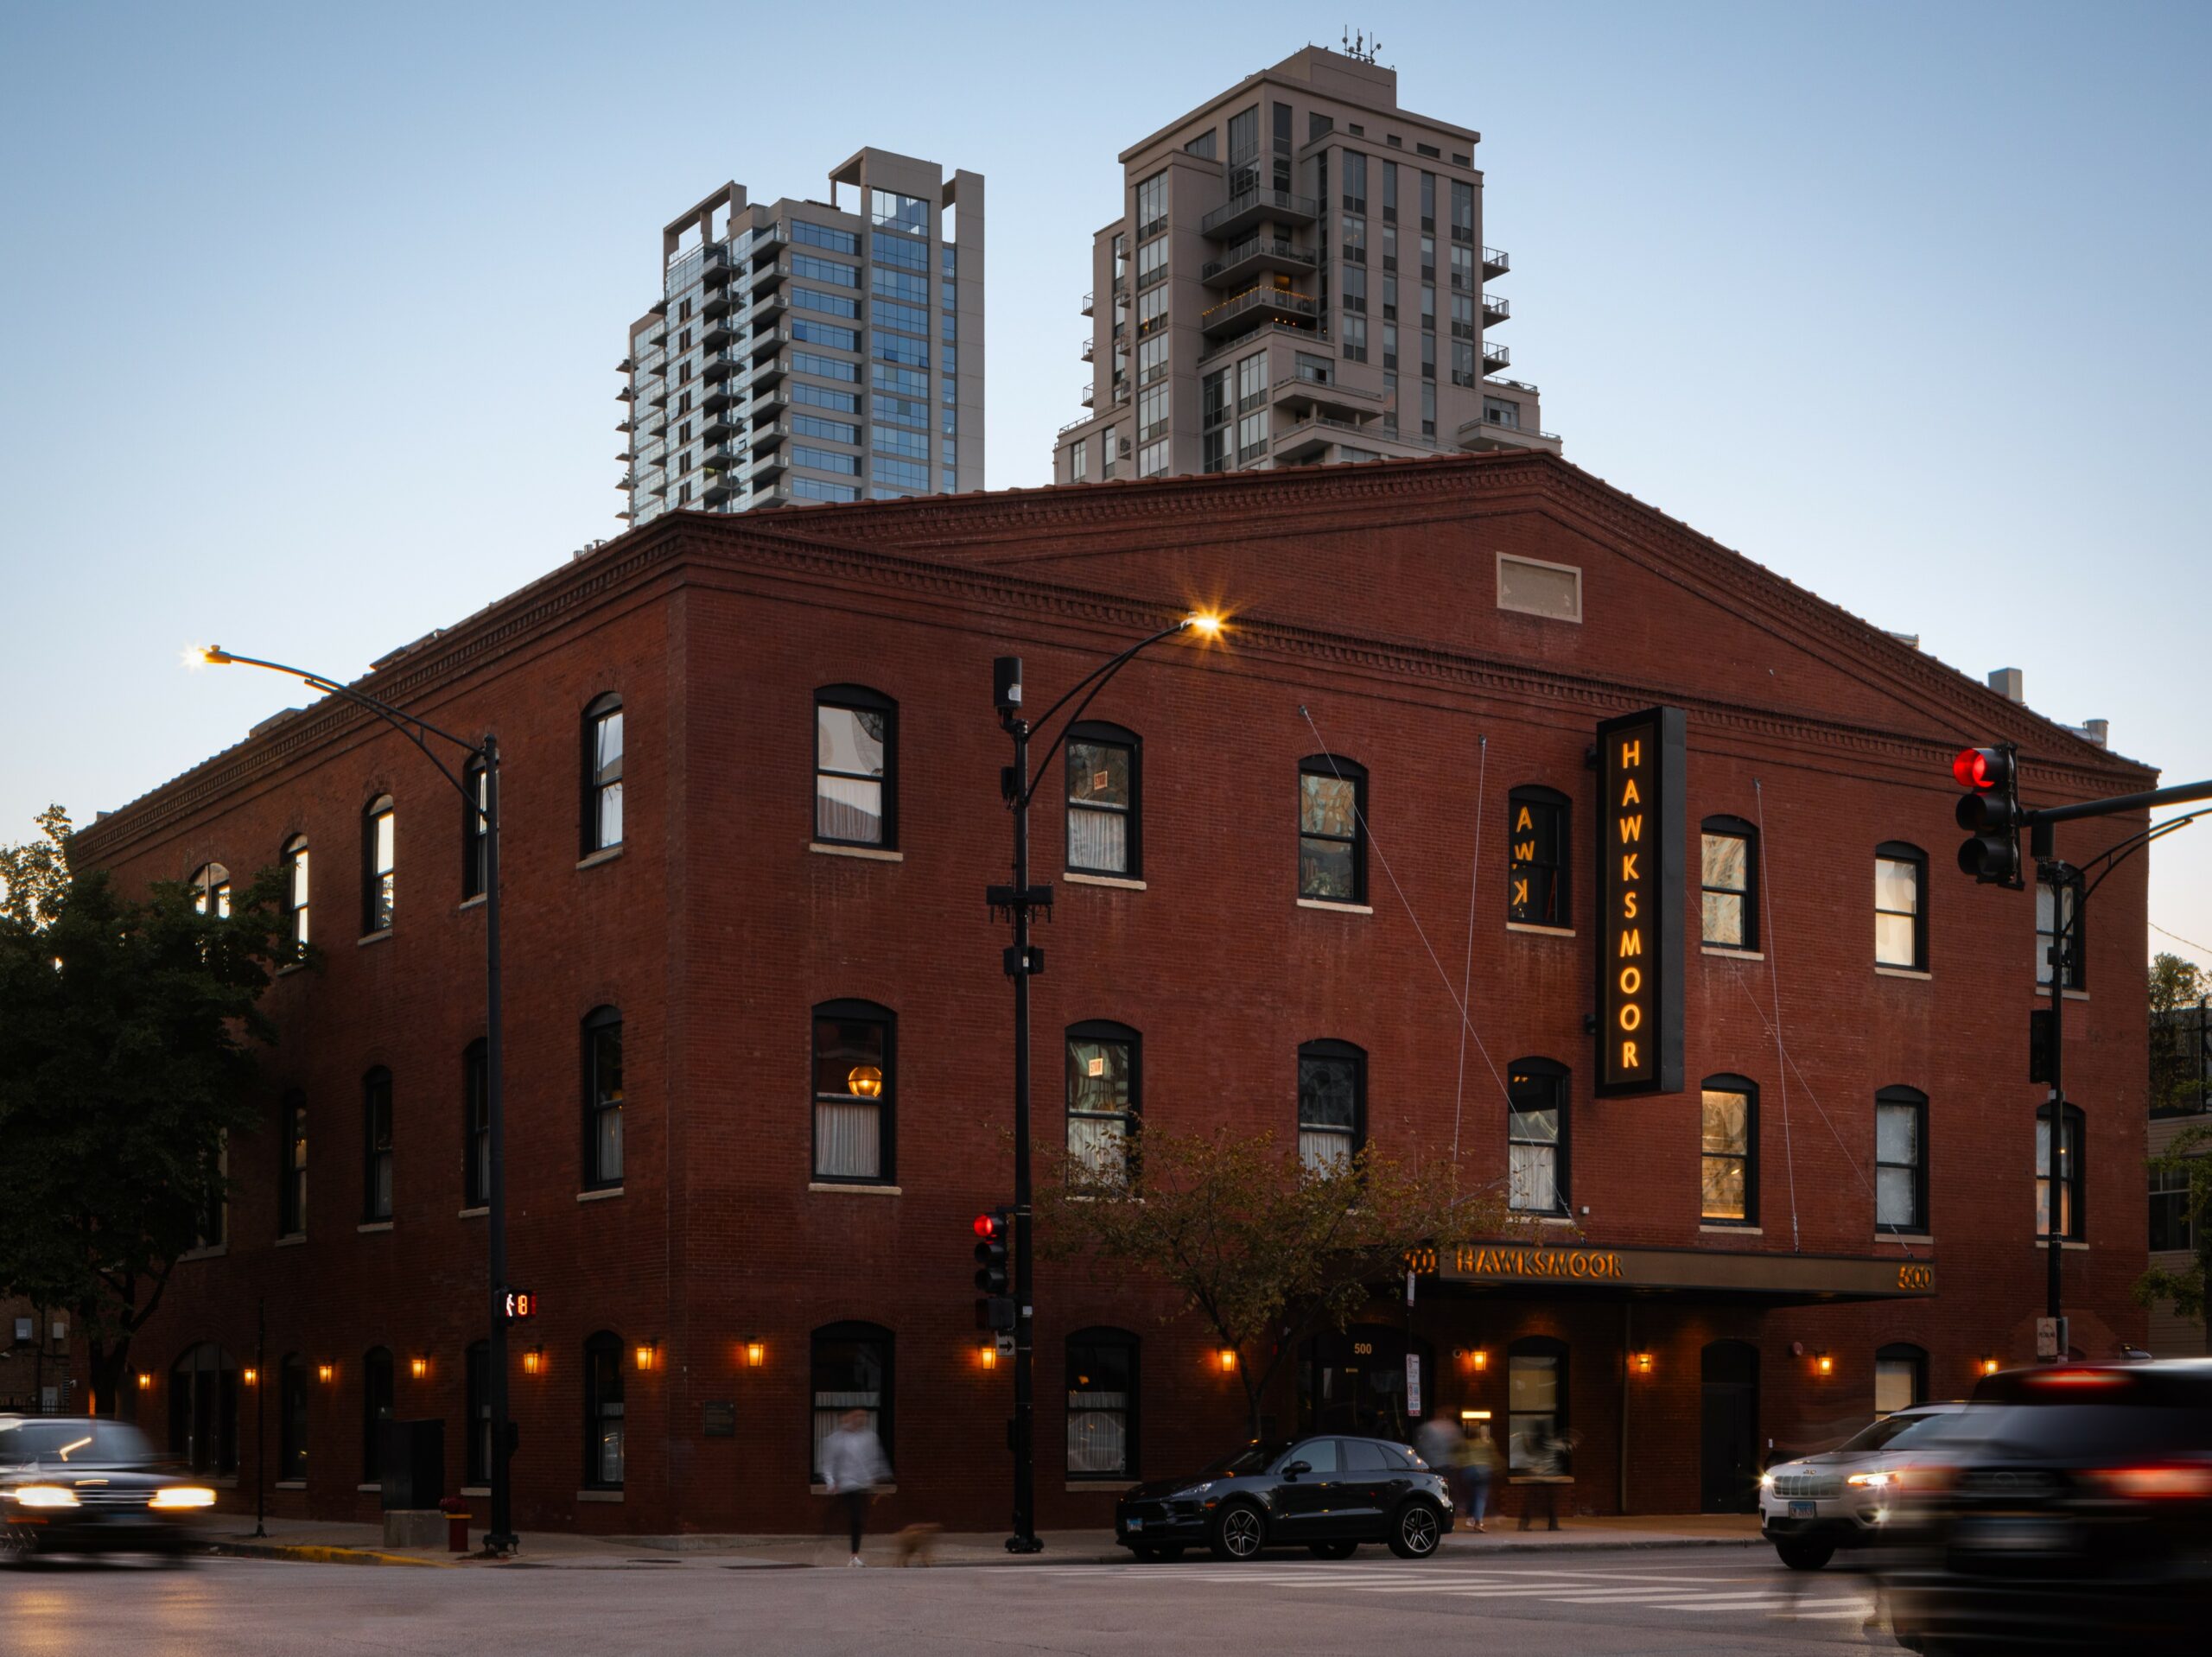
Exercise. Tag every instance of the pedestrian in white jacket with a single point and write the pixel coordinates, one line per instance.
(853, 1464)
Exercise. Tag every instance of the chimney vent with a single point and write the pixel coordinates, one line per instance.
(2097, 730)
(2005, 682)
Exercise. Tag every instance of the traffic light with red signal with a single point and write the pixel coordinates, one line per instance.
(993, 1236)
(1991, 813)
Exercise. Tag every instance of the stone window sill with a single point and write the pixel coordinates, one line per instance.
(1341, 909)
(1730, 954)
(476, 1490)
(291, 1484)
(478, 1213)
(382, 936)
(854, 1189)
(1902, 972)
(599, 1196)
(1711, 1229)
(1119, 882)
(2044, 990)
(1915, 1237)
(292, 1242)
(370, 1489)
(599, 1496)
(290, 967)
(368, 1226)
(605, 854)
(871, 854)
(1539, 931)
(214, 1251)
(824, 1490)
(477, 902)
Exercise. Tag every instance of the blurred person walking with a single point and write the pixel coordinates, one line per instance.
(1477, 1461)
(853, 1465)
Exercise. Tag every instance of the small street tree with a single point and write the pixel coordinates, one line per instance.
(1264, 1251)
(125, 1062)
(2179, 987)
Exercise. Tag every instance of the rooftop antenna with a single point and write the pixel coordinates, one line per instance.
(1361, 47)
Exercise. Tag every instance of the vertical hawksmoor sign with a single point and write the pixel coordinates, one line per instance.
(1641, 838)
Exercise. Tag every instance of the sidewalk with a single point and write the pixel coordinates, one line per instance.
(333, 1543)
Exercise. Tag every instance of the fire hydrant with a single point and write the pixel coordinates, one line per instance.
(456, 1513)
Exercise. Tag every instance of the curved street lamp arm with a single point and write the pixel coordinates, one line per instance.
(2113, 856)
(398, 719)
(1095, 682)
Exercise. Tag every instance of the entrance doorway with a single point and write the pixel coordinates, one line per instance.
(1355, 1381)
(1729, 1429)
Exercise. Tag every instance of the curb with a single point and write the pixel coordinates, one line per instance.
(312, 1554)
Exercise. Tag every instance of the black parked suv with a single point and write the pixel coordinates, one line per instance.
(1327, 1493)
(77, 1484)
(2073, 1510)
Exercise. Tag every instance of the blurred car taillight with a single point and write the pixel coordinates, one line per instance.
(2170, 1480)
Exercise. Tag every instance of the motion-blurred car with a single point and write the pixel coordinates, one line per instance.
(76, 1484)
(1328, 1494)
(2075, 1513)
(1846, 1497)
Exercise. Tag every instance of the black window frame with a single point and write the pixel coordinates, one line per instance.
(476, 1414)
(1551, 879)
(1106, 1030)
(1328, 767)
(1728, 827)
(377, 1146)
(476, 1124)
(1541, 1346)
(1530, 1072)
(2072, 1182)
(1330, 1050)
(1897, 1096)
(203, 1386)
(858, 699)
(1901, 1352)
(2169, 1229)
(885, 1102)
(600, 780)
(851, 1333)
(379, 1404)
(599, 1101)
(1097, 732)
(604, 1399)
(380, 887)
(1900, 851)
(211, 887)
(292, 1418)
(475, 839)
(1102, 1338)
(1729, 1082)
(292, 1166)
(292, 858)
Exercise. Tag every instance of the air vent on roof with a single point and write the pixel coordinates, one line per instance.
(274, 721)
(1910, 641)
(2007, 683)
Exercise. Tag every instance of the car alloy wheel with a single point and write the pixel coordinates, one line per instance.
(1416, 1534)
(1238, 1532)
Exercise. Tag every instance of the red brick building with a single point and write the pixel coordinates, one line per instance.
(758, 1031)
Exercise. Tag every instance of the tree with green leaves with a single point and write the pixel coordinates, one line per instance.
(2178, 988)
(1265, 1251)
(126, 1061)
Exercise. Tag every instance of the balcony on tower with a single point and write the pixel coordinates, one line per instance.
(1252, 208)
(1258, 307)
(1255, 256)
(1495, 262)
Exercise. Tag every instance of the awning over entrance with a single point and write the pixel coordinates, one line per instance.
(1773, 1278)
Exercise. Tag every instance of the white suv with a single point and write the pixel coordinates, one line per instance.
(1846, 1497)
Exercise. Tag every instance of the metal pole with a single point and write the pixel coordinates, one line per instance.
(500, 1538)
(1024, 1539)
(2060, 879)
(260, 1415)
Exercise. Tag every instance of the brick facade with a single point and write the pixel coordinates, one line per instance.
(1366, 624)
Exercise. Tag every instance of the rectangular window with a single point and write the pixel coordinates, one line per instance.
(823, 459)
(900, 250)
(834, 431)
(1356, 339)
(2071, 1227)
(1152, 360)
(1355, 180)
(822, 489)
(836, 241)
(828, 270)
(1101, 803)
(1152, 412)
(829, 368)
(1724, 888)
(1251, 382)
(1355, 287)
(605, 1424)
(1079, 460)
(1102, 1104)
(854, 746)
(2170, 1227)
(1152, 211)
(850, 1370)
(376, 1146)
(852, 1094)
(904, 411)
(1463, 210)
(292, 1192)
(1152, 459)
(886, 283)
(1726, 1150)
(890, 313)
(1202, 146)
(825, 333)
(889, 440)
(822, 396)
(1537, 878)
(1533, 1404)
(292, 1422)
(296, 888)
(1354, 237)
(603, 1100)
(603, 776)
(899, 474)
(1535, 1137)
(1243, 138)
(910, 213)
(2047, 934)
(1252, 438)
(1101, 1403)
(1332, 1106)
(1152, 262)
(1152, 311)
(1900, 913)
(1331, 861)
(896, 348)
(905, 382)
(377, 860)
(1900, 1180)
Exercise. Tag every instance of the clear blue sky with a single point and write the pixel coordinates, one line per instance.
(308, 315)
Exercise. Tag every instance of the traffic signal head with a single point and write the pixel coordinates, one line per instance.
(993, 1232)
(1991, 814)
(1983, 767)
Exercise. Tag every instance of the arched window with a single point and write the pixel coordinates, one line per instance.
(1105, 782)
(1537, 1406)
(476, 1407)
(1901, 1160)
(376, 1146)
(855, 1092)
(292, 1171)
(1536, 1136)
(855, 766)
(850, 1368)
(1331, 829)
(1900, 1377)
(603, 1420)
(475, 1125)
(1105, 1077)
(1331, 1105)
(294, 859)
(378, 850)
(210, 890)
(602, 1052)
(1728, 883)
(2072, 1221)
(1102, 1379)
(1900, 906)
(1538, 883)
(476, 830)
(1729, 1151)
(204, 1410)
(376, 1410)
(292, 1418)
(602, 784)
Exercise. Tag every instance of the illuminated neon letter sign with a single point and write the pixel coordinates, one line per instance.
(1640, 876)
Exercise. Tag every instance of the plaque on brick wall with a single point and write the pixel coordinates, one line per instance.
(722, 1420)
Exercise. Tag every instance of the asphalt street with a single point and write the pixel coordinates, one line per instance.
(1659, 1601)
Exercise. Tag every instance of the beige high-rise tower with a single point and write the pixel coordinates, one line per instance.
(1297, 275)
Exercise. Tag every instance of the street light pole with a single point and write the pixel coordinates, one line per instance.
(1023, 962)
(500, 1538)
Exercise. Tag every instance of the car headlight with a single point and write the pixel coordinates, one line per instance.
(1192, 1492)
(1870, 1480)
(183, 1496)
(1766, 1481)
(45, 1495)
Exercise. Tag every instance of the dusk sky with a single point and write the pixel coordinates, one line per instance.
(311, 315)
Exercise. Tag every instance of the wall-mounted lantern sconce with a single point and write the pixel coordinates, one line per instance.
(756, 1354)
(325, 1373)
(533, 1361)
